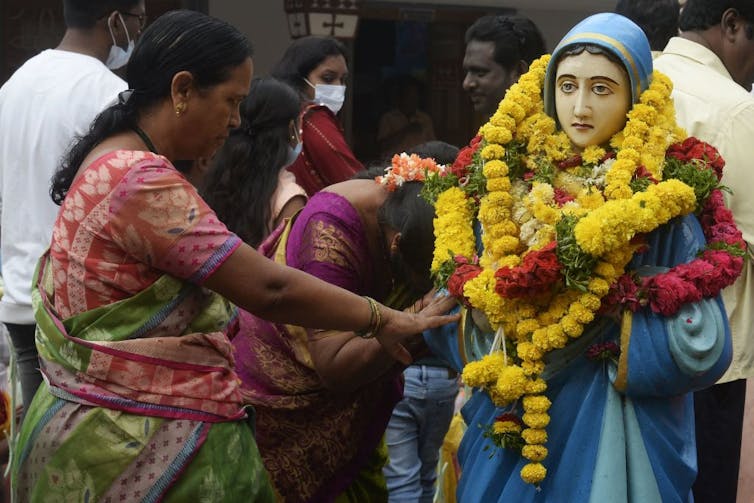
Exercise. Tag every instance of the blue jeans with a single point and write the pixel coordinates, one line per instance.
(416, 431)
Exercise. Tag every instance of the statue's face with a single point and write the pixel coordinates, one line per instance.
(592, 98)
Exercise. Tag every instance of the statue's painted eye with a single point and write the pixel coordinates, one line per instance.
(601, 89)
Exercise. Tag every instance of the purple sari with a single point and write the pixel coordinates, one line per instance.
(313, 441)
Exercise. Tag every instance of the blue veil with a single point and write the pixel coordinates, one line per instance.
(615, 34)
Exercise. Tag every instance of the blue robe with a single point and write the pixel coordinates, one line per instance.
(618, 432)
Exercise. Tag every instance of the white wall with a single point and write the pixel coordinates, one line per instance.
(263, 21)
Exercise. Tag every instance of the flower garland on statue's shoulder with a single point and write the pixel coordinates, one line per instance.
(558, 230)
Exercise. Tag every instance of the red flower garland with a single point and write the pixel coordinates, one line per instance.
(718, 265)
(538, 271)
(602, 351)
(571, 162)
(510, 416)
(561, 196)
(705, 276)
(692, 148)
(460, 166)
(643, 172)
(464, 271)
(577, 160)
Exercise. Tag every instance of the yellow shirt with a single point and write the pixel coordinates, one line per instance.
(714, 108)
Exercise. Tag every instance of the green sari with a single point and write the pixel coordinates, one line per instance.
(141, 404)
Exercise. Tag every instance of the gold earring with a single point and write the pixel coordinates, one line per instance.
(180, 108)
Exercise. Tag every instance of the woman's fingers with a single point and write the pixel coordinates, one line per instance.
(399, 326)
(439, 304)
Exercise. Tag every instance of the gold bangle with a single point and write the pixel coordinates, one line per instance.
(375, 320)
(378, 324)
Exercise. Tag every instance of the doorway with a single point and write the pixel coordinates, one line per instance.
(425, 44)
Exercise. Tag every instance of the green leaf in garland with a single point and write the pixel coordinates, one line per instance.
(545, 171)
(577, 264)
(434, 185)
(640, 184)
(475, 185)
(445, 271)
(515, 158)
(696, 174)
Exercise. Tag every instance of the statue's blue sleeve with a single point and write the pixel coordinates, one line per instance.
(445, 342)
(672, 355)
(661, 355)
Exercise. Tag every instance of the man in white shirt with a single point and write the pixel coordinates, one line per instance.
(711, 65)
(45, 104)
(658, 19)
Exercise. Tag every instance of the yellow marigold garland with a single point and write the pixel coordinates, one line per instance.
(454, 234)
(608, 219)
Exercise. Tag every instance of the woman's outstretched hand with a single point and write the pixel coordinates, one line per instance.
(427, 312)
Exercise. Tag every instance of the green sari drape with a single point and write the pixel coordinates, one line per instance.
(141, 403)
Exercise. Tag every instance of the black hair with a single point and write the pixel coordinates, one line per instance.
(657, 18)
(184, 165)
(703, 14)
(440, 151)
(576, 49)
(244, 172)
(303, 56)
(516, 38)
(84, 14)
(410, 214)
(181, 40)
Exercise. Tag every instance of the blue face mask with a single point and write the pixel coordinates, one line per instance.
(293, 153)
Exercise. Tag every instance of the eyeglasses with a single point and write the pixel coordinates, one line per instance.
(141, 17)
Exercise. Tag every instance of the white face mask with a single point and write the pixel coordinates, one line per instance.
(329, 95)
(118, 56)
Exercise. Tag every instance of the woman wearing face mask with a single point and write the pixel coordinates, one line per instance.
(317, 68)
(249, 186)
